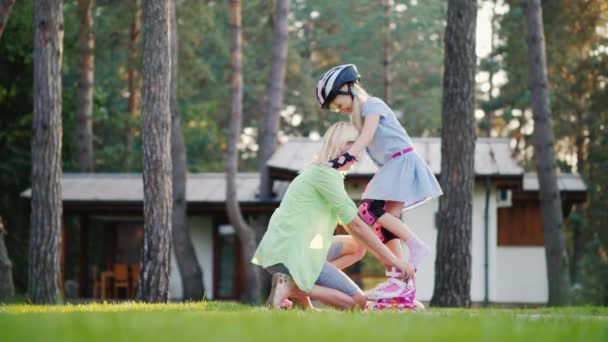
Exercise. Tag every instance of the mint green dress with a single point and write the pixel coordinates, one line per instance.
(301, 229)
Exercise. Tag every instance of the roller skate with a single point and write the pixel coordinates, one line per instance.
(394, 294)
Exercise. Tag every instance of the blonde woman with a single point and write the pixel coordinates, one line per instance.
(299, 247)
(403, 181)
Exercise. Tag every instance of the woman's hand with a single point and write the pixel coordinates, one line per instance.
(407, 271)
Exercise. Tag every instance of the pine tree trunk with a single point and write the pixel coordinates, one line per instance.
(133, 80)
(550, 200)
(276, 90)
(6, 6)
(453, 262)
(84, 126)
(156, 124)
(189, 268)
(576, 217)
(388, 44)
(7, 286)
(244, 232)
(43, 268)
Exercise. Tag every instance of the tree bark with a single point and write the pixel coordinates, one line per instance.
(550, 200)
(576, 217)
(133, 79)
(453, 262)
(6, 6)
(388, 47)
(156, 124)
(84, 125)
(43, 268)
(276, 90)
(7, 286)
(244, 232)
(189, 268)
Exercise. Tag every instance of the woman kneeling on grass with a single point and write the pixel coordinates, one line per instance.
(299, 248)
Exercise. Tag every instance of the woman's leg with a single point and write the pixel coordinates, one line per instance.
(335, 288)
(283, 288)
(351, 251)
(338, 299)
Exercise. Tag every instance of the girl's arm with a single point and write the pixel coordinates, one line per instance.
(370, 124)
(365, 138)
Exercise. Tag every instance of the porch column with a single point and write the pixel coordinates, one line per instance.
(84, 256)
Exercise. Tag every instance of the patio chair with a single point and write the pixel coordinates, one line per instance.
(121, 279)
(95, 276)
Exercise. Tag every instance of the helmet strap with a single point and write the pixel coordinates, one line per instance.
(350, 91)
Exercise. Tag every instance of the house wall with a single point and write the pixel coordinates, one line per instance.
(422, 221)
(201, 232)
(523, 275)
(516, 274)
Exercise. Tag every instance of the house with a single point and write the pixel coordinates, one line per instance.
(103, 219)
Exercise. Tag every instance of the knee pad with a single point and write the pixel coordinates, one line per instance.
(371, 210)
(384, 234)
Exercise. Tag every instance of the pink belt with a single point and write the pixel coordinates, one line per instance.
(400, 153)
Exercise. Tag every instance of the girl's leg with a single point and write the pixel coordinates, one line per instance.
(418, 249)
(394, 208)
(350, 253)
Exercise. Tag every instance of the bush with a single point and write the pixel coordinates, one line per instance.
(593, 286)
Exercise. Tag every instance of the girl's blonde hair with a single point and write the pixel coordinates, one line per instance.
(356, 116)
(334, 140)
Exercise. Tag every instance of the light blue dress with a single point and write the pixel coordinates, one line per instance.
(406, 178)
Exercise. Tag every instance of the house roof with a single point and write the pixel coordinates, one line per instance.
(492, 157)
(128, 187)
(565, 182)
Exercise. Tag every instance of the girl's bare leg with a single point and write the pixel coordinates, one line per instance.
(394, 208)
(418, 249)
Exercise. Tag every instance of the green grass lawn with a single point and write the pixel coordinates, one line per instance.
(213, 321)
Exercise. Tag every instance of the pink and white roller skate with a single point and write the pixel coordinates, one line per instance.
(394, 294)
(393, 287)
(395, 304)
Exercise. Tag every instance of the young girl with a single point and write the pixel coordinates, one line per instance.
(299, 248)
(403, 180)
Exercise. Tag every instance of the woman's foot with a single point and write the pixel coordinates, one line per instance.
(280, 291)
(303, 301)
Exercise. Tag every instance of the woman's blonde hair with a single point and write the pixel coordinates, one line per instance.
(334, 140)
(356, 116)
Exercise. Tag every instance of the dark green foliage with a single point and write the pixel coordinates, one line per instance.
(593, 287)
(16, 107)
